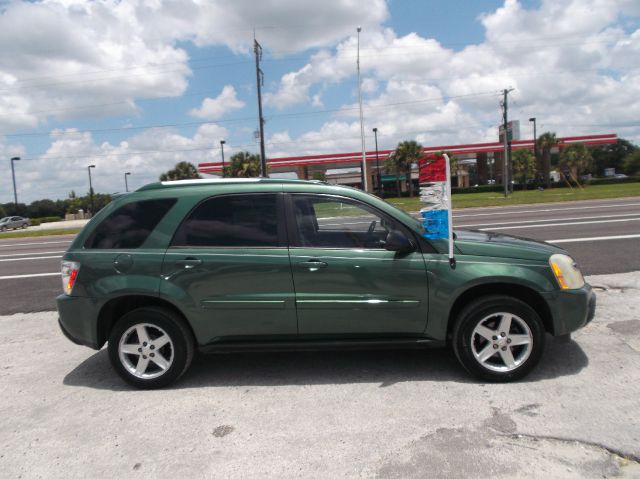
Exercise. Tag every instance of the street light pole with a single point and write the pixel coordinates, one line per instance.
(375, 134)
(13, 175)
(90, 186)
(222, 143)
(363, 167)
(126, 185)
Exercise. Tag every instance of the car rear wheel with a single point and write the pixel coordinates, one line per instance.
(3, 228)
(150, 347)
(498, 338)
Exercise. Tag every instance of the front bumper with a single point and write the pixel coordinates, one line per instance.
(571, 309)
(77, 320)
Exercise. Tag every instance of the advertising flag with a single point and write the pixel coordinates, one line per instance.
(435, 195)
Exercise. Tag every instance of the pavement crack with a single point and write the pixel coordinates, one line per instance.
(611, 450)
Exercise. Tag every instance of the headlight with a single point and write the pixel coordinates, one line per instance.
(566, 271)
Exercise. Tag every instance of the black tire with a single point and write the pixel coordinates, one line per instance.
(158, 321)
(508, 362)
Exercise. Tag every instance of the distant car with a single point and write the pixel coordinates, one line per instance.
(13, 223)
(620, 176)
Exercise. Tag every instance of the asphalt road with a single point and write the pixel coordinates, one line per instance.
(603, 236)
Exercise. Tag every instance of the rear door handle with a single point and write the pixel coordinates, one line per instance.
(189, 263)
(313, 264)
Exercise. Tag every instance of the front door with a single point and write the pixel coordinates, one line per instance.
(346, 282)
(229, 266)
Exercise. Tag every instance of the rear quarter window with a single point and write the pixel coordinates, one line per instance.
(129, 226)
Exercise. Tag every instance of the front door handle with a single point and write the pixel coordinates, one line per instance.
(313, 264)
(189, 263)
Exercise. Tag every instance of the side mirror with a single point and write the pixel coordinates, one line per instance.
(398, 241)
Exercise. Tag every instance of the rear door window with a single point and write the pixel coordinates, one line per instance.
(240, 221)
(129, 226)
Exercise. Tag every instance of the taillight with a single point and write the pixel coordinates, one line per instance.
(69, 274)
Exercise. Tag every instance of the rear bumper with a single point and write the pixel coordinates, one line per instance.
(571, 309)
(77, 321)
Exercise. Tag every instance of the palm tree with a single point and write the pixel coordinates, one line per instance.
(407, 153)
(577, 158)
(391, 166)
(245, 165)
(546, 141)
(524, 165)
(182, 171)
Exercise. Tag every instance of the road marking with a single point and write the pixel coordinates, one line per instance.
(29, 254)
(545, 210)
(29, 259)
(32, 244)
(594, 238)
(35, 275)
(553, 219)
(557, 224)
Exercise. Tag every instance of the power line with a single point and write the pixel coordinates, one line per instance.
(231, 120)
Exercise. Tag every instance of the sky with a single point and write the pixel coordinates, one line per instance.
(137, 86)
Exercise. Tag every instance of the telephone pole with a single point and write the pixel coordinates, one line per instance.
(257, 49)
(506, 167)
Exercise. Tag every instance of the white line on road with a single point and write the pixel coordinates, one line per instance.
(29, 259)
(557, 224)
(594, 238)
(29, 254)
(541, 210)
(33, 244)
(35, 275)
(551, 219)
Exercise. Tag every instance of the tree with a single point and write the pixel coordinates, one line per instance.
(391, 166)
(182, 171)
(524, 165)
(611, 155)
(546, 141)
(577, 158)
(631, 164)
(406, 154)
(3, 213)
(320, 176)
(245, 165)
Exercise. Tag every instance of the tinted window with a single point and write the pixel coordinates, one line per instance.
(235, 220)
(130, 225)
(326, 222)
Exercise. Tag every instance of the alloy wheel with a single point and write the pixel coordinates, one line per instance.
(501, 342)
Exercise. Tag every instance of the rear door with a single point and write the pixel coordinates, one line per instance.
(228, 268)
(346, 282)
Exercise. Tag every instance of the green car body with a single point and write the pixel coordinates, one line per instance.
(291, 294)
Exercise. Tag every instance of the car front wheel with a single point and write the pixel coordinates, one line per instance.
(498, 338)
(150, 347)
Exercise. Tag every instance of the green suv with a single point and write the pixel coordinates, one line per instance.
(259, 264)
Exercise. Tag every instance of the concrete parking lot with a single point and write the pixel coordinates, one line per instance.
(342, 414)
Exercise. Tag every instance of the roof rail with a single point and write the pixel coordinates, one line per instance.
(219, 181)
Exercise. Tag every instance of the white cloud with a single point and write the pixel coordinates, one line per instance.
(67, 55)
(571, 62)
(145, 155)
(214, 108)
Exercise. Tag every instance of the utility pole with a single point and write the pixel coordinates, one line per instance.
(91, 186)
(535, 146)
(257, 49)
(126, 183)
(506, 167)
(222, 143)
(13, 175)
